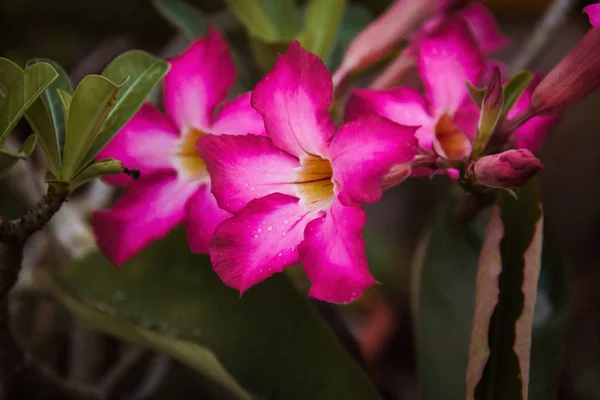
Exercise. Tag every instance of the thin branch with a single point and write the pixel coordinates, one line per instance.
(114, 378)
(545, 29)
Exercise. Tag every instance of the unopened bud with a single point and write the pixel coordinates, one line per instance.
(576, 76)
(513, 168)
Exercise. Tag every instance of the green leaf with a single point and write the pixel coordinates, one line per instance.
(9, 73)
(476, 94)
(265, 54)
(198, 357)
(188, 19)
(514, 89)
(507, 278)
(322, 21)
(356, 18)
(446, 305)
(46, 115)
(90, 105)
(65, 100)
(491, 112)
(263, 338)
(141, 72)
(8, 159)
(96, 170)
(21, 91)
(283, 13)
(254, 17)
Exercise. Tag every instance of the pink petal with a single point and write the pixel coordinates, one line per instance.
(197, 81)
(333, 255)
(593, 11)
(146, 212)
(466, 118)
(259, 241)
(448, 58)
(202, 216)
(484, 27)
(294, 99)
(237, 117)
(532, 134)
(146, 142)
(363, 151)
(246, 167)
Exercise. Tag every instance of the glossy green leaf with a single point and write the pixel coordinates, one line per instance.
(8, 159)
(90, 105)
(9, 73)
(515, 88)
(506, 289)
(140, 72)
(198, 357)
(322, 22)
(65, 100)
(46, 115)
(284, 14)
(445, 306)
(22, 92)
(254, 17)
(96, 170)
(263, 338)
(188, 19)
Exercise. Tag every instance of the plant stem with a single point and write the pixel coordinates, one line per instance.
(17, 375)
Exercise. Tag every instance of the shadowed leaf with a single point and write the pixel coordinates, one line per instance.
(188, 19)
(8, 159)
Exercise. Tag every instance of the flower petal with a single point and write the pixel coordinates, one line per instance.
(363, 151)
(447, 59)
(202, 216)
(197, 81)
(333, 255)
(294, 99)
(593, 11)
(146, 142)
(259, 241)
(246, 167)
(148, 211)
(484, 27)
(466, 118)
(237, 117)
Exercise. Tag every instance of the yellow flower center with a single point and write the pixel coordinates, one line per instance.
(188, 163)
(452, 140)
(313, 182)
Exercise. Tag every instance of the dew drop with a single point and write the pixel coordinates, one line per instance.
(259, 230)
(246, 184)
(255, 236)
(279, 255)
(270, 228)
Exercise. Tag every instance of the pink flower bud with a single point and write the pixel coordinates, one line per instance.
(593, 11)
(379, 38)
(576, 76)
(512, 168)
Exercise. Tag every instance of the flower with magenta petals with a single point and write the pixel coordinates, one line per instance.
(446, 116)
(175, 186)
(296, 193)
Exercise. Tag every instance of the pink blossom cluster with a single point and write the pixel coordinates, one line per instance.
(267, 180)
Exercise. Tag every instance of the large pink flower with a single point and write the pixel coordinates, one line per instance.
(296, 193)
(446, 116)
(175, 186)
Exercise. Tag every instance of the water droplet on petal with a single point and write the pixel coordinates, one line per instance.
(270, 228)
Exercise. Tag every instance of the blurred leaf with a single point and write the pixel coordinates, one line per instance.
(21, 91)
(8, 159)
(507, 278)
(188, 19)
(445, 307)
(90, 105)
(356, 18)
(140, 72)
(283, 13)
(198, 357)
(46, 115)
(265, 54)
(515, 88)
(254, 17)
(322, 21)
(96, 170)
(271, 340)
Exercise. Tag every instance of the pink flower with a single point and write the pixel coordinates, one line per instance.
(296, 193)
(446, 116)
(175, 186)
(481, 23)
(513, 168)
(593, 11)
